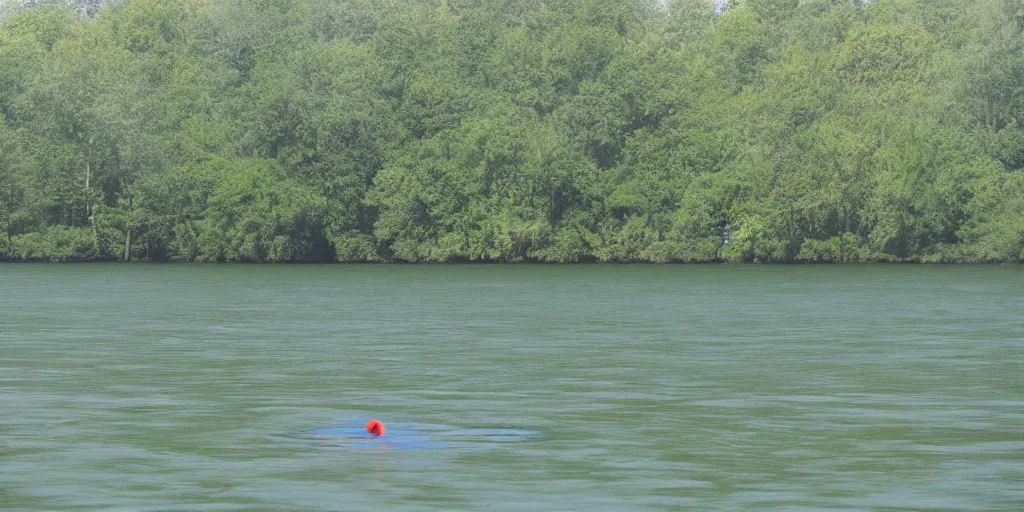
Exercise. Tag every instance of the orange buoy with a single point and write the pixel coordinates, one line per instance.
(375, 427)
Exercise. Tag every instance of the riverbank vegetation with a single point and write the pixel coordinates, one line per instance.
(513, 130)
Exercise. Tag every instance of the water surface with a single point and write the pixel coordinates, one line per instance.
(177, 387)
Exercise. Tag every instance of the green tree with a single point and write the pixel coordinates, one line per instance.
(254, 214)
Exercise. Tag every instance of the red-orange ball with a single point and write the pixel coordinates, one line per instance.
(375, 427)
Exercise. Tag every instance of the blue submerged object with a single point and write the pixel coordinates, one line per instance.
(417, 436)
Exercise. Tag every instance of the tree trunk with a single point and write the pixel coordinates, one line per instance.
(95, 237)
(88, 210)
(128, 233)
(88, 196)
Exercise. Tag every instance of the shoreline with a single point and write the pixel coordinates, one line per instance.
(511, 263)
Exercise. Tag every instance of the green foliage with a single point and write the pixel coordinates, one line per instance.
(814, 131)
(254, 214)
(56, 244)
(838, 249)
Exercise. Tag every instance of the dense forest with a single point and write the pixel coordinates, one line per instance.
(512, 130)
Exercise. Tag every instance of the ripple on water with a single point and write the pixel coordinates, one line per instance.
(418, 436)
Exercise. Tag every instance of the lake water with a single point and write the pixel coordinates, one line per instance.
(177, 387)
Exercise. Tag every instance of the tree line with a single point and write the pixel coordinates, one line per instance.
(513, 130)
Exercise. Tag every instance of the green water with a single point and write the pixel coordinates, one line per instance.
(146, 387)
